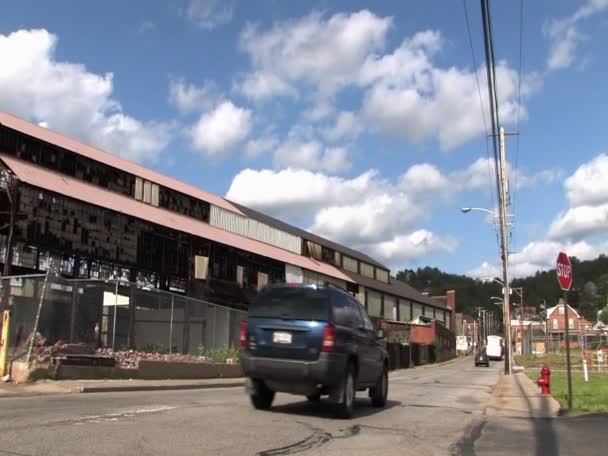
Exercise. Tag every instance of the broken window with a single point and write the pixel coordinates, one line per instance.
(328, 255)
(262, 279)
(313, 250)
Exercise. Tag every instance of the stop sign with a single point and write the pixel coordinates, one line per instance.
(564, 271)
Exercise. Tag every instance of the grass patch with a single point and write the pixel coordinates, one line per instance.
(554, 361)
(591, 397)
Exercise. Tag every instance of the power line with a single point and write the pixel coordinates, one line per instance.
(521, 40)
(481, 105)
(490, 75)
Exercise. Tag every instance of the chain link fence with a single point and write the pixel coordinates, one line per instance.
(111, 314)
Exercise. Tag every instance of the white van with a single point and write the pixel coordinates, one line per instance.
(494, 348)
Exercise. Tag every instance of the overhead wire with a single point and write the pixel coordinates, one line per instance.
(481, 104)
(494, 114)
(490, 75)
(519, 78)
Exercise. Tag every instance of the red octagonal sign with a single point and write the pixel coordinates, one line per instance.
(564, 271)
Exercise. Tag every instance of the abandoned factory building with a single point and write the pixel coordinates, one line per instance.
(98, 216)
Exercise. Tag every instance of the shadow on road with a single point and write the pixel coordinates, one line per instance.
(325, 409)
(544, 432)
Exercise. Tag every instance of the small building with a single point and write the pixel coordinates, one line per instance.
(555, 325)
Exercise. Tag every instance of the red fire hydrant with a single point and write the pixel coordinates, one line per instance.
(544, 381)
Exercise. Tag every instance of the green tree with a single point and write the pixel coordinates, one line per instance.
(604, 316)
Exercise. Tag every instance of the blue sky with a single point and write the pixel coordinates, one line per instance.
(361, 121)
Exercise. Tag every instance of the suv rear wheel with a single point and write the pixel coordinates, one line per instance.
(314, 397)
(379, 392)
(346, 404)
(262, 396)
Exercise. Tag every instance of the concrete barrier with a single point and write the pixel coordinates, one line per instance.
(147, 370)
(68, 372)
(229, 370)
(158, 370)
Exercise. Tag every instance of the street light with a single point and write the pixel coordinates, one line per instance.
(466, 210)
(504, 257)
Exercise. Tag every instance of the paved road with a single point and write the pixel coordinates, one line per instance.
(429, 410)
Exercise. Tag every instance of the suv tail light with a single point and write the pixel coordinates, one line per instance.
(328, 343)
(244, 334)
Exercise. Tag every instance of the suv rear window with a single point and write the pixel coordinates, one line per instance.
(291, 304)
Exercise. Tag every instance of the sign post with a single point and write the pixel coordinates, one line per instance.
(564, 277)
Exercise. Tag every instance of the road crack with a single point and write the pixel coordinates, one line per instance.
(317, 439)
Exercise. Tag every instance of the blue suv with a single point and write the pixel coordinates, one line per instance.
(313, 341)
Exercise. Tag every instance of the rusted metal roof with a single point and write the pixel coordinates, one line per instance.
(278, 224)
(396, 288)
(43, 178)
(51, 137)
(57, 139)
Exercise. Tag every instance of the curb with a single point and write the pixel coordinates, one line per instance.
(556, 407)
(426, 366)
(134, 388)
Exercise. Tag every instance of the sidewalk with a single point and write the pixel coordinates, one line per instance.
(112, 386)
(516, 396)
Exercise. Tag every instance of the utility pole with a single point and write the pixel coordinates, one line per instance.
(505, 251)
(479, 337)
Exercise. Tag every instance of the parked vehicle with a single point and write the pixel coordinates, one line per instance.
(495, 348)
(313, 341)
(481, 359)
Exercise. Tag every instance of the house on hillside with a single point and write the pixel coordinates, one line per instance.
(577, 324)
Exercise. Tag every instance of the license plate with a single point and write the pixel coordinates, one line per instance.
(281, 338)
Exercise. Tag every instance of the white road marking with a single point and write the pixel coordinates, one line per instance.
(122, 414)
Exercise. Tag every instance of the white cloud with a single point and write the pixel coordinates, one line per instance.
(580, 222)
(324, 52)
(424, 178)
(562, 53)
(405, 248)
(320, 110)
(311, 155)
(540, 256)
(146, 26)
(346, 126)
(587, 193)
(565, 36)
(589, 183)
(68, 98)
(256, 147)
(218, 131)
(188, 98)
(410, 98)
(480, 175)
(302, 192)
(404, 93)
(367, 212)
(209, 14)
(364, 212)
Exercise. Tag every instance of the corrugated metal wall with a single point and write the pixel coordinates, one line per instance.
(361, 295)
(416, 311)
(367, 270)
(235, 223)
(350, 264)
(313, 278)
(404, 310)
(389, 304)
(381, 275)
(293, 274)
(374, 303)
